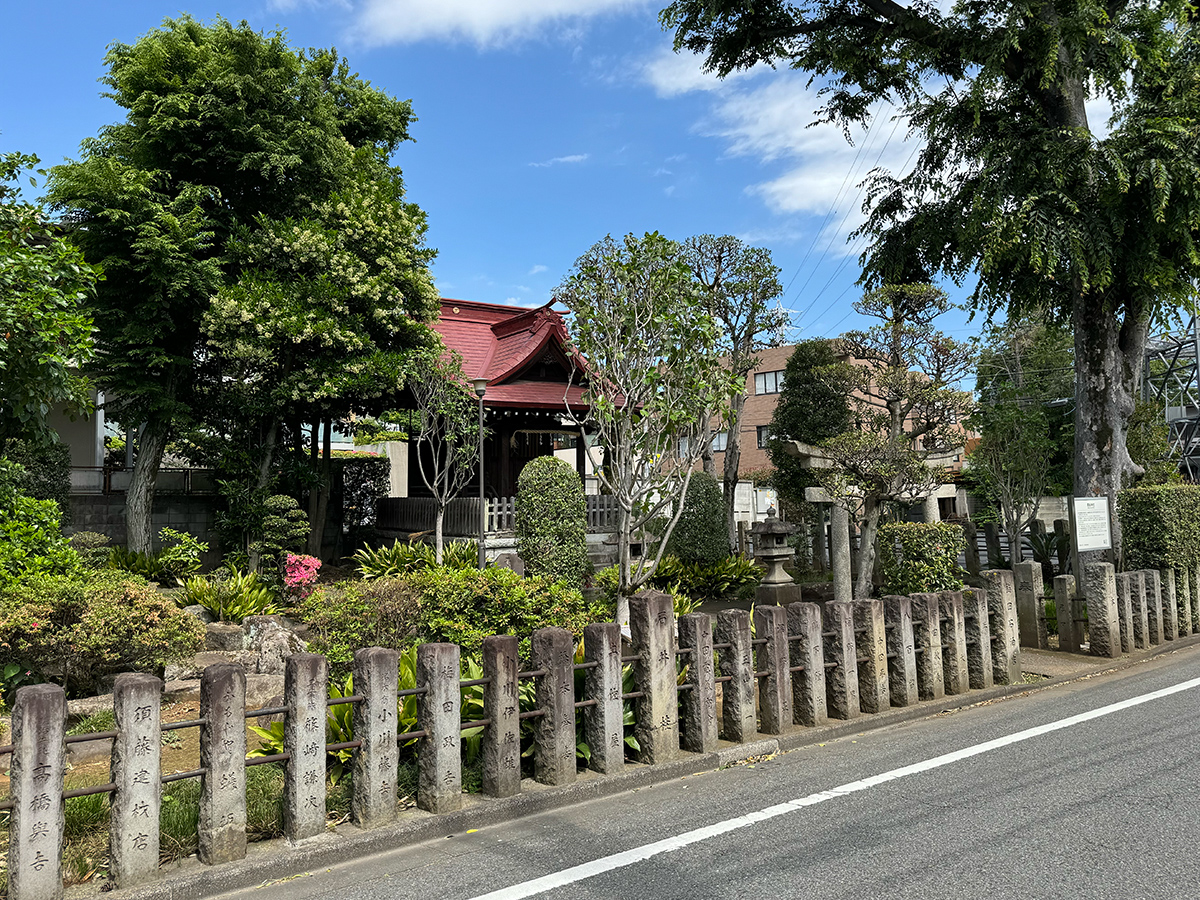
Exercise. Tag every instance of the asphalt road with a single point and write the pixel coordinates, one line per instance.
(1103, 808)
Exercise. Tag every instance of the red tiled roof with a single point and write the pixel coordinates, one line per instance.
(499, 342)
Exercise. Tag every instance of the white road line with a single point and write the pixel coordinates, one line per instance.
(646, 851)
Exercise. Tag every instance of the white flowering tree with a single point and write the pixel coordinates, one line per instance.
(328, 318)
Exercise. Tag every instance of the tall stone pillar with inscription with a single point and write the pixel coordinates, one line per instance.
(1183, 590)
(501, 704)
(1002, 623)
(1170, 604)
(652, 626)
(1125, 610)
(223, 757)
(1156, 627)
(136, 766)
(439, 752)
(35, 831)
(305, 693)
(843, 581)
(698, 704)
(1141, 612)
(373, 797)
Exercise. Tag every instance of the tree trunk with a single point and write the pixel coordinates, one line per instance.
(318, 514)
(706, 450)
(1108, 367)
(266, 458)
(624, 578)
(733, 462)
(139, 498)
(872, 509)
(438, 544)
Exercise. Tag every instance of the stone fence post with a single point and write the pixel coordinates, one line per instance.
(775, 688)
(1064, 611)
(652, 626)
(808, 659)
(1141, 609)
(980, 672)
(841, 681)
(501, 750)
(305, 694)
(35, 830)
(1031, 605)
(133, 830)
(698, 704)
(954, 642)
(971, 550)
(1152, 582)
(738, 722)
(553, 651)
(1183, 590)
(1124, 581)
(439, 752)
(901, 651)
(1170, 604)
(373, 783)
(927, 638)
(222, 823)
(604, 720)
(1002, 621)
(1103, 622)
(871, 646)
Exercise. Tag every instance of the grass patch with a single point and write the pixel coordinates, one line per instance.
(95, 723)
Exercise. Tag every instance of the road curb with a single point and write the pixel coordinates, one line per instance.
(277, 859)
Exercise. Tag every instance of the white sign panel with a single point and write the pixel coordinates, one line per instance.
(1093, 527)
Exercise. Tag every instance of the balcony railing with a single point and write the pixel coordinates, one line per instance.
(416, 514)
(97, 480)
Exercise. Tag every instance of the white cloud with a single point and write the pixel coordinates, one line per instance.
(481, 22)
(538, 269)
(672, 74)
(573, 158)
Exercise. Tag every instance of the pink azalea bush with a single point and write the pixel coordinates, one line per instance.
(300, 574)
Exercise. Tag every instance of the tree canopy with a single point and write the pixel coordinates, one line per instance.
(45, 325)
(230, 138)
(1014, 184)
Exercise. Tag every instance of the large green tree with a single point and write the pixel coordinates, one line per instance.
(1014, 183)
(740, 284)
(226, 128)
(45, 327)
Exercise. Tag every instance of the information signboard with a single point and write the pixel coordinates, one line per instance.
(1093, 526)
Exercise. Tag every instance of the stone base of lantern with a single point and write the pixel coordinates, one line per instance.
(777, 594)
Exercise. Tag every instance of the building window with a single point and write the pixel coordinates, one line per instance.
(764, 435)
(768, 382)
(720, 442)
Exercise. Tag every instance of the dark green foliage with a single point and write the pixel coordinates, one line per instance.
(94, 549)
(700, 535)
(463, 606)
(732, 578)
(365, 479)
(230, 595)
(1149, 446)
(178, 558)
(552, 520)
(402, 558)
(1161, 524)
(812, 408)
(47, 472)
(31, 541)
(919, 557)
(351, 615)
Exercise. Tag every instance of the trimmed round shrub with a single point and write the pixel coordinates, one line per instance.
(700, 535)
(552, 520)
(920, 557)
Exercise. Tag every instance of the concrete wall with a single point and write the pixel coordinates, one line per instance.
(193, 513)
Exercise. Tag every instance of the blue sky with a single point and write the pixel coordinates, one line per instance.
(543, 125)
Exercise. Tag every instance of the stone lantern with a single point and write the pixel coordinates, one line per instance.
(771, 548)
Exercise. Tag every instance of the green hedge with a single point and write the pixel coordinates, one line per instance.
(47, 472)
(1160, 525)
(552, 520)
(919, 557)
(700, 535)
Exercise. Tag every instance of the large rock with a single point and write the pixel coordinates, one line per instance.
(200, 613)
(272, 641)
(223, 636)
